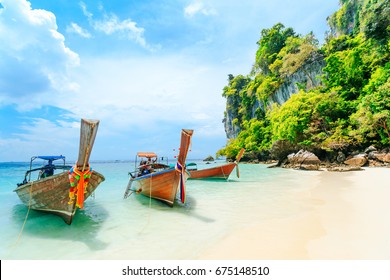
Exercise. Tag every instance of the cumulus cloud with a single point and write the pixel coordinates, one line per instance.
(75, 28)
(198, 7)
(110, 24)
(37, 137)
(146, 92)
(33, 56)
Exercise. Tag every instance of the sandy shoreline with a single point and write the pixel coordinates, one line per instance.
(343, 216)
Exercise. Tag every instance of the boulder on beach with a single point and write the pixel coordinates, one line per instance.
(344, 168)
(370, 149)
(358, 160)
(303, 160)
(340, 157)
(383, 157)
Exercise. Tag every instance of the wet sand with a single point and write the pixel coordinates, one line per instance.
(343, 216)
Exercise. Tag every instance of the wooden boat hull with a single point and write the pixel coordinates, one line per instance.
(52, 194)
(161, 185)
(217, 172)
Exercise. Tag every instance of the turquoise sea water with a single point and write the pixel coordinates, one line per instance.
(111, 227)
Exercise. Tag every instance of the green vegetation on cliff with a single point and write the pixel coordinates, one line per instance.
(348, 108)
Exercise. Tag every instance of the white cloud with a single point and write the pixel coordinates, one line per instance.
(145, 92)
(111, 24)
(33, 57)
(75, 28)
(143, 103)
(128, 28)
(46, 131)
(38, 137)
(198, 7)
(85, 11)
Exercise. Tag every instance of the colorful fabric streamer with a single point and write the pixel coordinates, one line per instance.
(79, 189)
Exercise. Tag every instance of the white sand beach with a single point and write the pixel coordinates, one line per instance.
(343, 216)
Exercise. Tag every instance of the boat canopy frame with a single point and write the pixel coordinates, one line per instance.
(45, 167)
(192, 166)
(153, 161)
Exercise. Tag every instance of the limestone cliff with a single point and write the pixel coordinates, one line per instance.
(346, 20)
(308, 76)
(232, 129)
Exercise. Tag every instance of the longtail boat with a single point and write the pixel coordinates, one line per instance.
(216, 172)
(59, 188)
(158, 180)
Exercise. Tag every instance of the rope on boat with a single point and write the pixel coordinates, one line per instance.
(224, 175)
(28, 212)
(150, 193)
(150, 204)
(25, 219)
(129, 191)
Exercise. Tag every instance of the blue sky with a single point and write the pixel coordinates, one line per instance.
(145, 69)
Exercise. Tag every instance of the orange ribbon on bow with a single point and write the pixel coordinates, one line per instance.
(82, 178)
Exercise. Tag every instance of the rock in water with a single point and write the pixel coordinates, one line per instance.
(209, 158)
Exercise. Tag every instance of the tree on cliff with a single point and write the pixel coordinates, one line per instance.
(271, 42)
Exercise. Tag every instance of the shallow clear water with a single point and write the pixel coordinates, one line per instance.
(111, 227)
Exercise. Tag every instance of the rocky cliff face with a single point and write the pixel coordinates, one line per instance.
(231, 129)
(308, 76)
(345, 20)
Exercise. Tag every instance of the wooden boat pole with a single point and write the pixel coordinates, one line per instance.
(185, 143)
(88, 130)
(186, 135)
